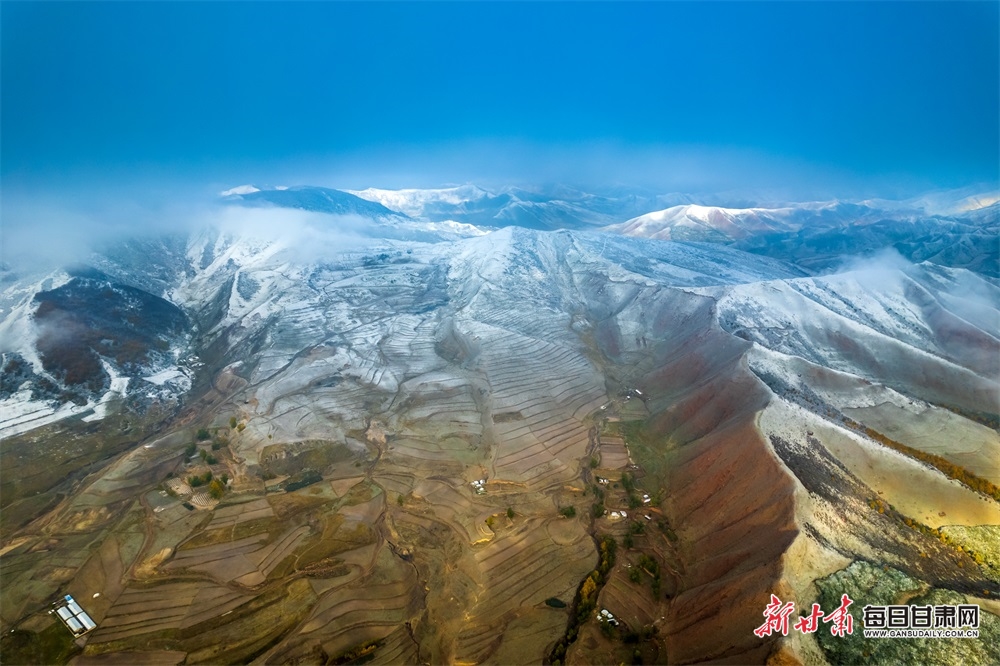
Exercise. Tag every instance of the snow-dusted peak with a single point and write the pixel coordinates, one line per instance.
(239, 189)
(697, 222)
(413, 202)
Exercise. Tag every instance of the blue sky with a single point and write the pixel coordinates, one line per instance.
(671, 94)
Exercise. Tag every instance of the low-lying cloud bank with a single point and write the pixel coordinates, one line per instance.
(41, 236)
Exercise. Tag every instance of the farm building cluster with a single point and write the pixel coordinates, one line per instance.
(74, 617)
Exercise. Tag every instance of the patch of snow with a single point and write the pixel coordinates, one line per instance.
(19, 413)
(119, 385)
(17, 328)
(169, 375)
(240, 189)
(458, 228)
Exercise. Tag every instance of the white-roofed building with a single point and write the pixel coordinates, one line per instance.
(74, 617)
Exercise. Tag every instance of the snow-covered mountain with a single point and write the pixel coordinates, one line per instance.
(822, 236)
(364, 216)
(954, 228)
(424, 202)
(695, 222)
(317, 199)
(543, 208)
(190, 271)
(405, 423)
(715, 223)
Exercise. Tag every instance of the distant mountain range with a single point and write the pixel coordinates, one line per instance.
(317, 199)
(820, 236)
(957, 229)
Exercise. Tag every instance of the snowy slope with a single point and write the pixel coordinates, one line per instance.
(715, 223)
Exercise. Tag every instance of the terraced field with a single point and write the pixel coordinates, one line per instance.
(233, 515)
(614, 453)
(357, 610)
(538, 419)
(151, 610)
(243, 561)
(529, 563)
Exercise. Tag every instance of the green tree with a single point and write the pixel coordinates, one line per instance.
(203, 434)
(510, 513)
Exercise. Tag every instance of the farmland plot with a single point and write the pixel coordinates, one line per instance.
(522, 568)
(539, 397)
(370, 608)
(148, 610)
